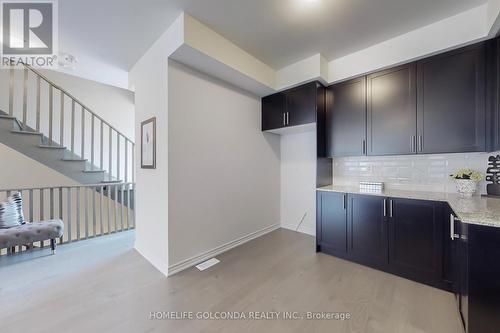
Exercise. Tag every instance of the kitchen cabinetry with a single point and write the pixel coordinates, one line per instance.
(392, 111)
(419, 240)
(459, 236)
(301, 104)
(450, 264)
(492, 94)
(478, 286)
(332, 222)
(346, 118)
(451, 101)
(368, 229)
(436, 105)
(416, 238)
(293, 107)
(273, 111)
(400, 236)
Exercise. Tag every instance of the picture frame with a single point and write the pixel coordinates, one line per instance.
(148, 143)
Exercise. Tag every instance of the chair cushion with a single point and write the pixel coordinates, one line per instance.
(11, 211)
(31, 232)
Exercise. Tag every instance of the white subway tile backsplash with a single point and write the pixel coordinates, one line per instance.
(416, 172)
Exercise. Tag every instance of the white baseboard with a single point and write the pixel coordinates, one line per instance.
(185, 264)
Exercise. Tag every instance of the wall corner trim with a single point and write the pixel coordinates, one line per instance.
(153, 260)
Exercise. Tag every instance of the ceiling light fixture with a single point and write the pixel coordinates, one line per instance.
(308, 3)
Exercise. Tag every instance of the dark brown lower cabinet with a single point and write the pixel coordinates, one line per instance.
(399, 236)
(332, 222)
(478, 277)
(416, 239)
(368, 229)
(419, 240)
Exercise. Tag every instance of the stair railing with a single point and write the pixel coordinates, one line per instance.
(87, 211)
(107, 156)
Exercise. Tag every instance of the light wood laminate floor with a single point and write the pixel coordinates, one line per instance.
(103, 285)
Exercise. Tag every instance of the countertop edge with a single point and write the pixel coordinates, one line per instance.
(425, 196)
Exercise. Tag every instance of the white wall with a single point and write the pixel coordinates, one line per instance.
(20, 171)
(115, 105)
(150, 79)
(309, 69)
(451, 32)
(493, 21)
(209, 42)
(224, 173)
(298, 181)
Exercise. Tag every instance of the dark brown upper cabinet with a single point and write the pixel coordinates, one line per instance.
(392, 111)
(447, 103)
(346, 118)
(451, 100)
(273, 111)
(492, 94)
(301, 103)
(293, 107)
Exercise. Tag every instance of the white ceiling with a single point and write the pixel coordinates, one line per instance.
(114, 32)
(278, 32)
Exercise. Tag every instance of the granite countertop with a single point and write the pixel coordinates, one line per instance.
(476, 210)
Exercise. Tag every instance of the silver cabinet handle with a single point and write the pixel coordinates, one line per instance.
(385, 207)
(284, 119)
(453, 235)
(288, 118)
(363, 147)
(390, 208)
(420, 143)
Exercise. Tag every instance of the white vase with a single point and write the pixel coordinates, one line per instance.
(466, 187)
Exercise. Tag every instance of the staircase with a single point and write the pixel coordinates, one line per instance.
(46, 123)
(49, 125)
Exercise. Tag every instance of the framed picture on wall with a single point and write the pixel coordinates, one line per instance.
(148, 144)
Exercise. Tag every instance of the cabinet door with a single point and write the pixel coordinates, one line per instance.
(368, 229)
(332, 222)
(273, 111)
(492, 93)
(416, 239)
(346, 118)
(450, 254)
(392, 111)
(301, 104)
(463, 253)
(451, 101)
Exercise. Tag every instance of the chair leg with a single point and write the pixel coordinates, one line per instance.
(53, 246)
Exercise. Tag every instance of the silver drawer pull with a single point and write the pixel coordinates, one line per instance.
(453, 235)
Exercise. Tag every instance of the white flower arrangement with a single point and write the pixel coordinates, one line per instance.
(468, 174)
